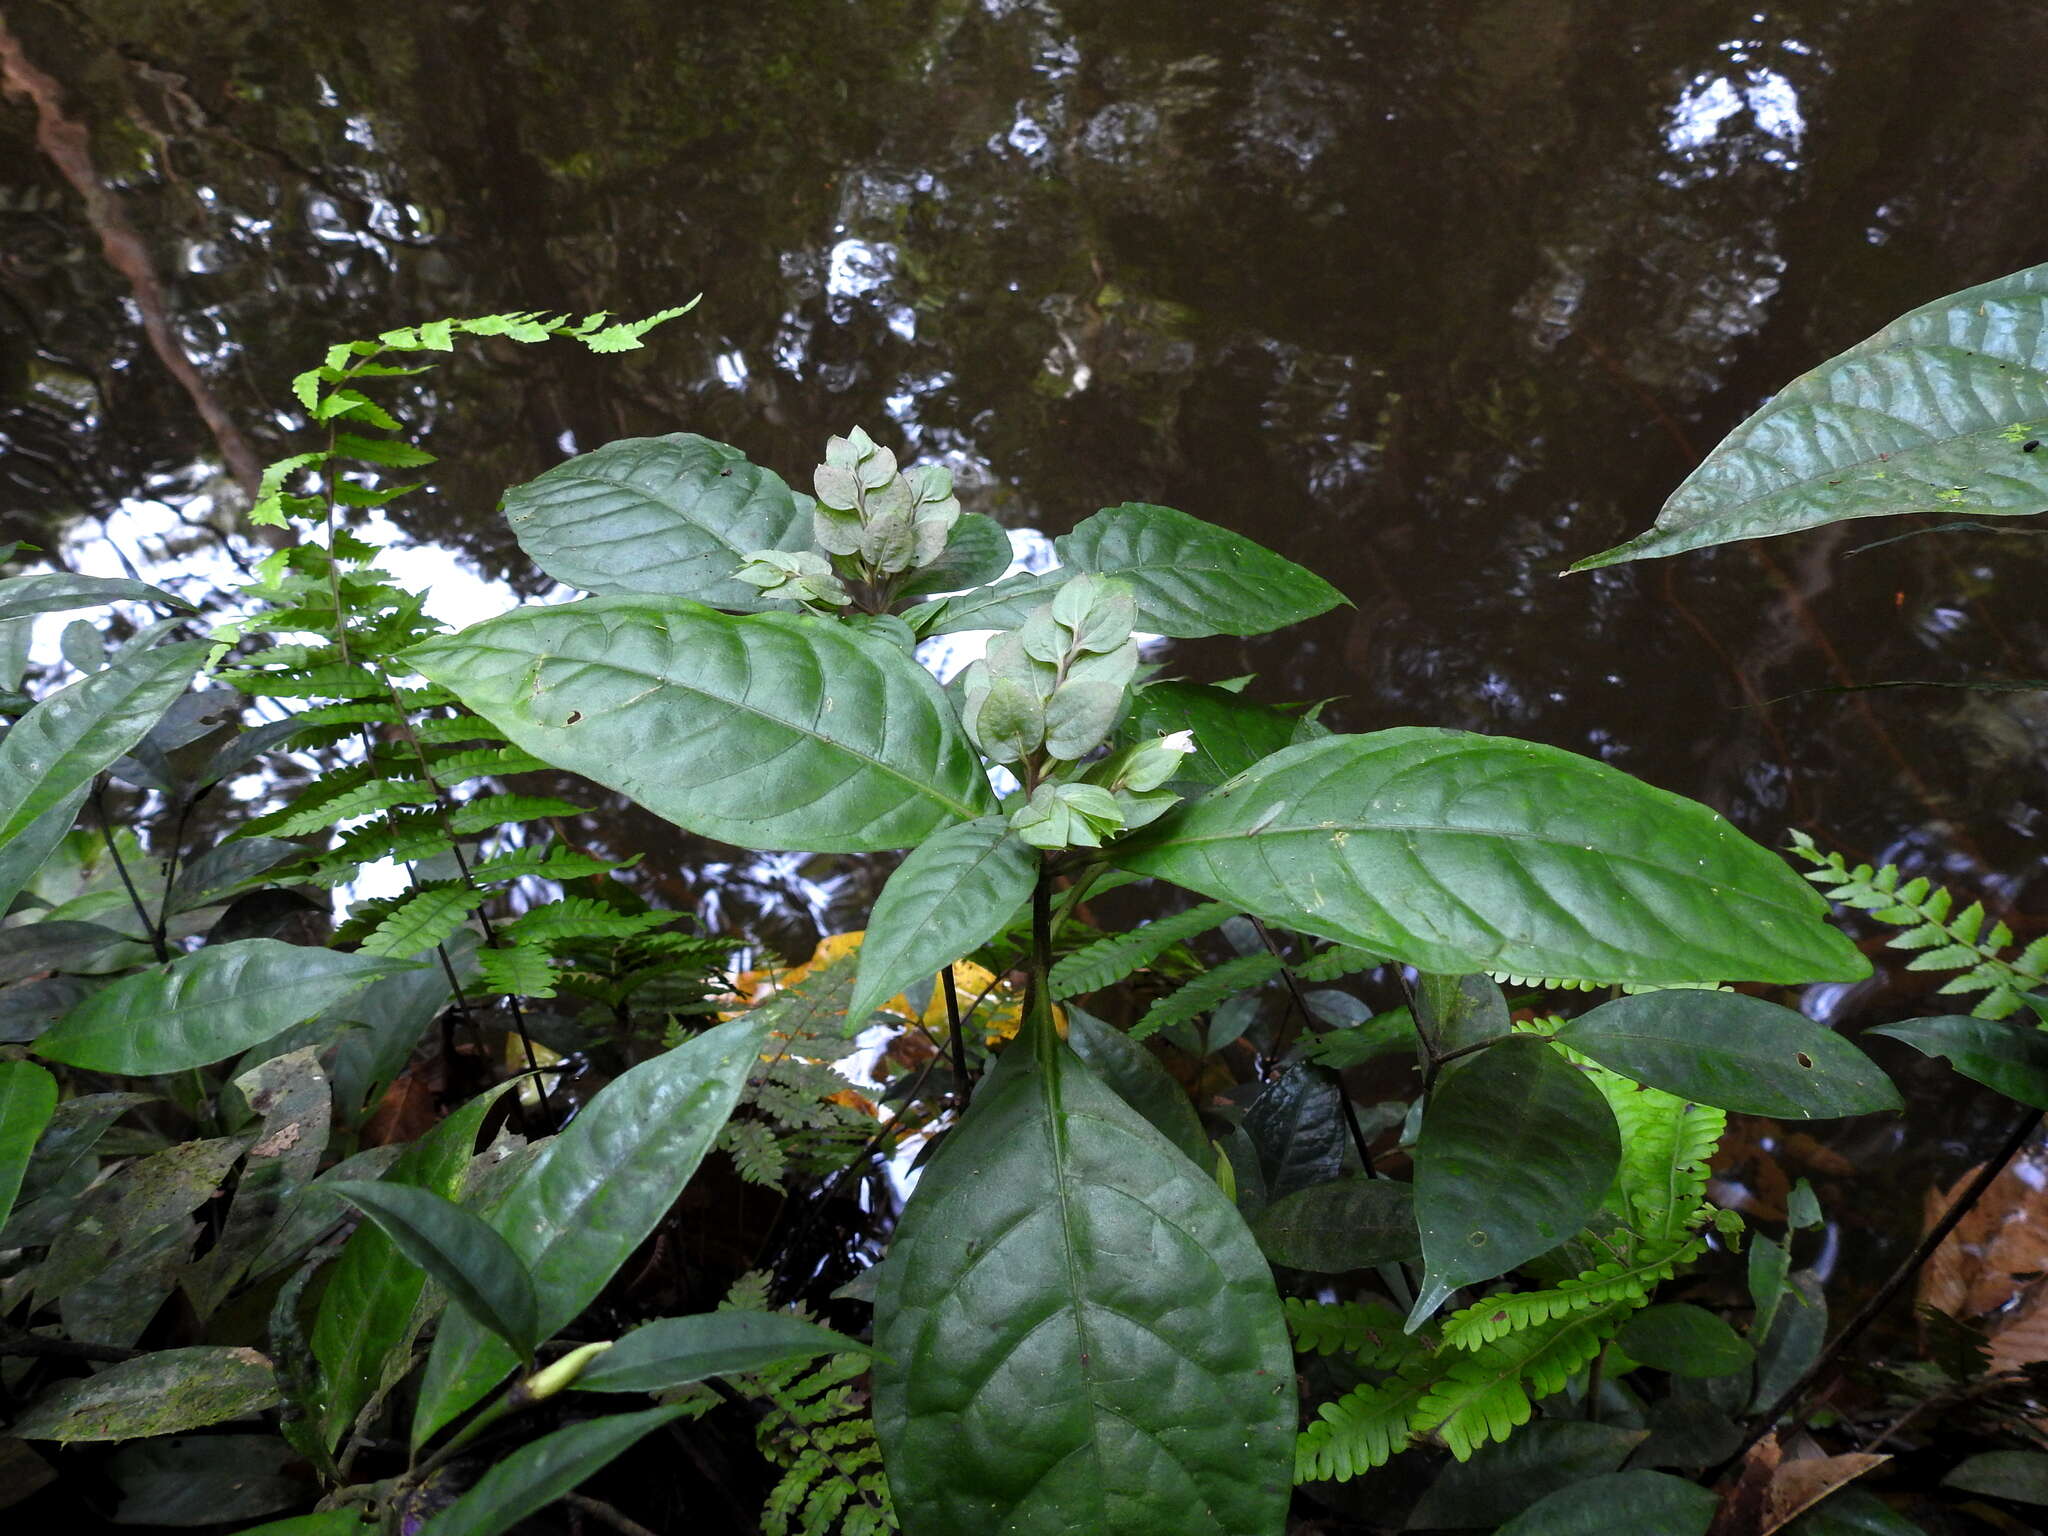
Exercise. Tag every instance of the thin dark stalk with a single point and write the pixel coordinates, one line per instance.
(597, 1509)
(155, 936)
(1486, 1044)
(963, 1089)
(1872, 1309)
(163, 910)
(1308, 1021)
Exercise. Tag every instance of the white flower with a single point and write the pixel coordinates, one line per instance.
(1179, 741)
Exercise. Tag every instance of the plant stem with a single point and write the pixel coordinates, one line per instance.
(597, 1509)
(1308, 1021)
(149, 929)
(1038, 1006)
(963, 1089)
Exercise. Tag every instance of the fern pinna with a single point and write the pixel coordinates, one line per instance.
(419, 783)
(1476, 1378)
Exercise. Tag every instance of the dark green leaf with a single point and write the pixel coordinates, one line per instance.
(221, 872)
(1802, 1207)
(1453, 1012)
(2002, 1054)
(1297, 1124)
(21, 859)
(1919, 418)
(1346, 1224)
(1684, 1340)
(769, 731)
(536, 1475)
(1619, 1501)
(59, 591)
(476, 1266)
(1502, 1480)
(577, 1212)
(1733, 1052)
(206, 1005)
(1354, 1045)
(1459, 853)
(955, 892)
(673, 515)
(1516, 1153)
(27, 1096)
(1005, 604)
(334, 1522)
(1231, 732)
(1193, 578)
(53, 751)
(1794, 1342)
(1853, 1512)
(203, 1479)
(977, 552)
(154, 1394)
(54, 946)
(1078, 1332)
(1769, 1263)
(2018, 1475)
(1141, 1081)
(675, 1351)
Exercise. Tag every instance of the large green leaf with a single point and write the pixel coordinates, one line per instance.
(2001, 1054)
(1141, 1081)
(206, 1005)
(60, 591)
(977, 551)
(1193, 578)
(21, 859)
(474, 1265)
(1502, 1480)
(1941, 411)
(676, 1351)
(1231, 732)
(1684, 1340)
(367, 1307)
(1345, 1224)
(537, 1474)
(673, 516)
(1459, 853)
(769, 731)
(953, 893)
(577, 1212)
(2017, 1475)
(1079, 1333)
(1733, 1052)
(1619, 1501)
(53, 751)
(27, 1096)
(154, 1394)
(1516, 1153)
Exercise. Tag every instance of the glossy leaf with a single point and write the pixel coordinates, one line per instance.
(1004, 604)
(1193, 578)
(28, 1095)
(537, 1474)
(53, 751)
(672, 516)
(206, 1005)
(953, 894)
(577, 1212)
(675, 1351)
(1230, 731)
(1502, 1480)
(31, 848)
(1853, 1512)
(1733, 1052)
(202, 1480)
(1516, 1154)
(1346, 1224)
(2018, 1475)
(1297, 1125)
(55, 946)
(475, 1266)
(1933, 414)
(1619, 1501)
(60, 591)
(769, 731)
(1077, 1331)
(1141, 1081)
(1458, 853)
(160, 1393)
(2010, 1057)
(365, 1312)
(1684, 1340)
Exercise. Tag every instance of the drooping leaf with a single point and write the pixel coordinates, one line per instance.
(476, 1266)
(1077, 1331)
(206, 1005)
(1936, 413)
(2018, 1475)
(577, 1212)
(1193, 578)
(1684, 1340)
(1502, 1480)
(953, 893)
(27, 1096)
(1141, 1081)
(769, 731)
(59, 591)
(1619, 1501)
(1458, 853)
(202, 1480)
(161, 1393)
(1795, 1340)
(675, 1351)
(1345, 1224)
(1516, 1154)
(1733, 1052)
(53, 751)
(537, 1474)
(2004, 1055)
(672, 516)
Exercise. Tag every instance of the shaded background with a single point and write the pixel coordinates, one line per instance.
(1433, 299)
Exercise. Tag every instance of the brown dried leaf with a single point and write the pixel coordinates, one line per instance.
(404, 1114)
(1799, 1485)
(1998, 1248)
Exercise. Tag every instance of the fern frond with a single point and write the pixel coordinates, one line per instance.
(517, 970)
(1110, 960)
(1369, 1330)
(489, 811)
(1362, 1429)
(1337, 962)
(579, 917)
(1615, 1282)
(423, 919)
(1488, 1393)
(455, 729)
(362, 800)
(339, 681)
(475, 762)
(1205, 992)
(550, 863)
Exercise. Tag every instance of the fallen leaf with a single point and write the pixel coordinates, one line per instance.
(1799, 1485)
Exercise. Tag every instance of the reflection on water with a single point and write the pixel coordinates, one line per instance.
(1431, 299)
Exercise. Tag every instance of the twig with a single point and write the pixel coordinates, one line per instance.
(149, 929)
(597, 1509)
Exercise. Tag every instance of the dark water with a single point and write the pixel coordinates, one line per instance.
(1433, 298)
